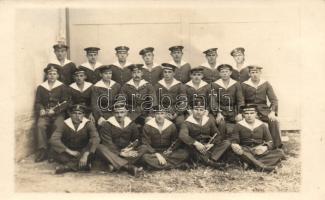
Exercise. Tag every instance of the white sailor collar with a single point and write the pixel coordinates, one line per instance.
(220, 82)
(250, 83)
(66, 61)
(163, 83)
(207, 65)
(174, 63)
(114, 122)
(191, 119)
(87, 65)
(141, 83)
(153, 123)
(45, 84)
(86, 86)
(101, 83)
(127, 63)
(255, 125)
(69, 123)
(202, 84)
(153, 66)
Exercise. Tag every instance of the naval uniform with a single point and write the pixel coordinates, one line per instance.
(258, 95)
(114, 138)
(139, 99)
(192, 131)
(158, 140)
(153, 75)
(182, 72)
(83, 138)
(66, 71)
(228, 101)
(92, 73)
(210, 74)
(251, 136)
(121, 74)
(103, 99)
(79, 96)
(203, 91)
(240, 75)
(47, 98)
(172, 95)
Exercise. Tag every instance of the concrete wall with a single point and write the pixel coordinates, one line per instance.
(36, 31)
(270, 34)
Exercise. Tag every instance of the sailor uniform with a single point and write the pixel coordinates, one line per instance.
(152, 75)
(121, 74)
(114, 138)
(203, 91)
(139, 99)
(92, 73)
(210, 74)
(240, 75)
(192, 131)
(79, 96)
(103, 99)
(258, 95)
(158, 140)
(47, 98)
(66, 71)
(251, 136)
(182, 72)
(83, 138)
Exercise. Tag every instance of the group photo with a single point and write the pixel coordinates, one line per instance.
(184, 102)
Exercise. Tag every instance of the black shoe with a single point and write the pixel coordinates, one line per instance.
(41, 155)
(134, 171)
(110, 168)
(184, 166)
(62, 169)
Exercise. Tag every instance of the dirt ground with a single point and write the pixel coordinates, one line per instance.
(39, 177)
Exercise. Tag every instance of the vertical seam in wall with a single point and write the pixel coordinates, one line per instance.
(67, 31)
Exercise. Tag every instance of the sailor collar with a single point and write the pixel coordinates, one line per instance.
(141, 83)
(153, 123)
(220, 82)
(45, 84)
(163, 83)
(191, 119)
(174, 63)
(101, 83)
(153, 66)
(202, 84)
(86, 86)
(256, 124)
(207, 65)
(69, 123)
(114, 122)
(127, 63)
(66, 61)
(88, 65)
(250, 83)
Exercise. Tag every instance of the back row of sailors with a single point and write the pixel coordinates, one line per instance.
(152, 72)
(53, 98)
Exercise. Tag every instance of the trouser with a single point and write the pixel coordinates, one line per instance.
(274, 127)
(174, 159)
(71, 161)
(115, 159)
(226, 129)
(45, 127)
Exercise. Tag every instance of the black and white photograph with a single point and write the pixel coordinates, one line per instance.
(165, 97)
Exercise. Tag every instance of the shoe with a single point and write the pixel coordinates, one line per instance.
(41, 155)
(110, 168)
(267, 169)
(62, 169)
(184, 166)
(134, 171)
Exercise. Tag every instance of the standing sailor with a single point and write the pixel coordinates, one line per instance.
(210, 72)
(92, 65)
(152, 72)
(240, 72)
(121, 72)
(182, 72)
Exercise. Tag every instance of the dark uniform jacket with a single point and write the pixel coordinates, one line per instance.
(228, 99)
(156, 140)
(103, 98)
(46, 98)
(182, 72)
(240, 76)
(204, 90)
(84, 138)
(92, 74)
(81, 97)
(191, 131)
(210, 75)
(66, 72)
(154, 75)
(121, 74)
(259, 95)
(140, 99)
(115, 138)
(171, 95)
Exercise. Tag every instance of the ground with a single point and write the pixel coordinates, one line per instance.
(39, 177)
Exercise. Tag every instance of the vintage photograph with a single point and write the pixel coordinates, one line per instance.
(158, 98)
